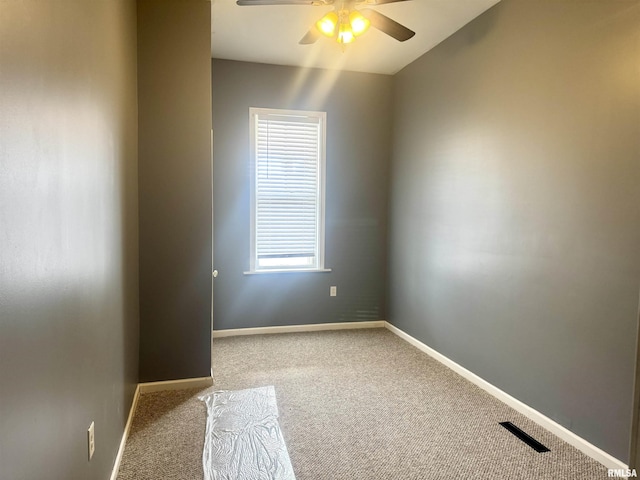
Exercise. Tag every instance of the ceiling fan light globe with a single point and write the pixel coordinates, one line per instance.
(345, 34)
(327, 24)
(359, 24)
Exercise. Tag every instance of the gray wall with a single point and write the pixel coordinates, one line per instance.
(515, 207)
(68, 235)
(358, 110)
(174, 82)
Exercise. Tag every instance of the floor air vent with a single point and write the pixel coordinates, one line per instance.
(526, 438)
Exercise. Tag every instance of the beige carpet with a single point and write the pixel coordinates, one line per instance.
(358, 404)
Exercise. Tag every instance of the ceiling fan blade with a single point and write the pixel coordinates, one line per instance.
(311, 37)
(388, 26)
(249, 3)
(382, 2)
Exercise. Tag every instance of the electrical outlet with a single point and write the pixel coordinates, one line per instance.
(333, 291)
(91, 440)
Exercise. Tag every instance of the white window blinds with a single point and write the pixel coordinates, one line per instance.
(287, 187)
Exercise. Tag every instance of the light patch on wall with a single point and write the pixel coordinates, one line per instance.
(62, 145)
(468, 197)
(312, 92)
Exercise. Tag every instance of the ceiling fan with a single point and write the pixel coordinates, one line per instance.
(345, 22)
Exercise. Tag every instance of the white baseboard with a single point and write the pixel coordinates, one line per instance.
(545, 422)
(125, 434)
(315, 327)
(149, 387)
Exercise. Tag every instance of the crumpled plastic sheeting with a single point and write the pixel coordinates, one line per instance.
(243, 440)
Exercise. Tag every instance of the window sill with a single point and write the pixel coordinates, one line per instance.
(297, 270)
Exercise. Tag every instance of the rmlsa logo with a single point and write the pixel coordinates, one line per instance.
(623, 473)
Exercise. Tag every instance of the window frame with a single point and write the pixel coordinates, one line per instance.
(254, 114)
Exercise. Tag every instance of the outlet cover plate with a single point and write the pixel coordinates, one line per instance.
(91, 440)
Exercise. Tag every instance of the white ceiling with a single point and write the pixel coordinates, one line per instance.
(270, 34)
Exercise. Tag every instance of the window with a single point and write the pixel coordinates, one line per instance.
(287, 190)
